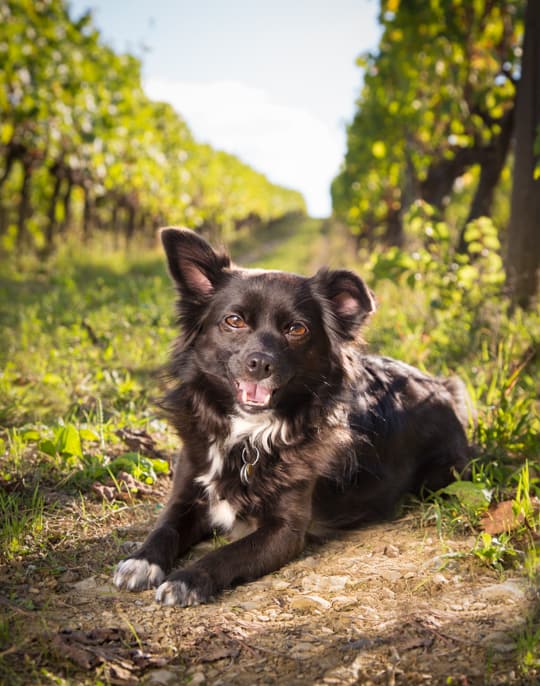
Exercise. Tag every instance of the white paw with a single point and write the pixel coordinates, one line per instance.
(178, 593)
(136, 575)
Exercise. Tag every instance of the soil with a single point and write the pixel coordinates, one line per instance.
(393, 603)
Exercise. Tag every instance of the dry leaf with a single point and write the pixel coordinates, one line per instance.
(140, 441)
(501, 517)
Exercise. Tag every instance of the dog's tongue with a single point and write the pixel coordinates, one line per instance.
(251, 393)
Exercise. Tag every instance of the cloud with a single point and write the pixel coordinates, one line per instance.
(289, 145)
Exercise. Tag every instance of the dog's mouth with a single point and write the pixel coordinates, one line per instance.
(253, 394)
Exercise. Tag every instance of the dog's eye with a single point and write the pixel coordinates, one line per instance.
(235, 321)
(297, 330)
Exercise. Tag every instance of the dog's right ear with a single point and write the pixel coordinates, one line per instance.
(195, 267)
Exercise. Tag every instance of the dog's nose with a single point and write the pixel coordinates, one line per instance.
(259, 366)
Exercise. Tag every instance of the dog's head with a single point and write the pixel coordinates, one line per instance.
(270, 339)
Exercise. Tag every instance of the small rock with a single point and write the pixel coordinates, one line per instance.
(390, 575)
(509, 590)
(439, 579)
(161, 677)
(85, 585)
(316, 582)
(196, 678)
(342, 601)
(387, 593)
(279, 584)
(499, 641)
(249, 605)
(309, 602)
(391, 550)
(106, 589)
(302, 651)
(68, 577)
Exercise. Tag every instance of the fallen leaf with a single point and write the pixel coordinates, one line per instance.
(125, 487)
(502, 518)
(112, 647)
(140, 441)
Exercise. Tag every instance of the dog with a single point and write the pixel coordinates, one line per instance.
(287, 426)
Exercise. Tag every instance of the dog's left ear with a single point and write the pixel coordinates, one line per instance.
(350, 300)
(195, 267)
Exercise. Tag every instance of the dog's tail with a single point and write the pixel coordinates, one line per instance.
(461, 402)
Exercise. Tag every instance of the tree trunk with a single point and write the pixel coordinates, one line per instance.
(523, 253)
(491, 166)
(87, 214)
(51, 225)
(438, 184)
(66, 222)
(24, 207)
(130, 223)
(394, 233)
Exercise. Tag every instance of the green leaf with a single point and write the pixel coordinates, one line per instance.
(88, 435)
(160, 466)
(472, 495)
(68, 441)
(47, 447)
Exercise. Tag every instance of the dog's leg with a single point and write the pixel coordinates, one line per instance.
(183, 523)
(276, 542)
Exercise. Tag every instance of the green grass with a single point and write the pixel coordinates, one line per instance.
(21, 522)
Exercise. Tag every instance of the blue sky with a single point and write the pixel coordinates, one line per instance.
(273, 82)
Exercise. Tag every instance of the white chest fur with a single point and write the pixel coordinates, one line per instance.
(260, 430)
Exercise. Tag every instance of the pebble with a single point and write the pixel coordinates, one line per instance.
(499, 641)
(340, 602)
(391, 550)
(89, 584)
(161, 677)
(387, 593)
(510, 590)
(317, 582)
(309, 602)
(249, 605)
(390, 575)
(279, 584)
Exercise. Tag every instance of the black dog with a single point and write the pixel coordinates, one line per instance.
(285, 424)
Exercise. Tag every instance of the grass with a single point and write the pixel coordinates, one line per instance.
(21, 522)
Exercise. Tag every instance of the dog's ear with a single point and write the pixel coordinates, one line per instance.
(195, 267)
(347, 297)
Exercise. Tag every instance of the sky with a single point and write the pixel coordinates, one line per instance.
(271, 81)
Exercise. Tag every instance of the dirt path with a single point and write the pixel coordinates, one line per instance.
(389, 604)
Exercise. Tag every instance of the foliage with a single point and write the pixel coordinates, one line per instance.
(437, 99)
(83, 148)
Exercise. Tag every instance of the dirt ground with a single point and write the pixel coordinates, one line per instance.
(390, 604)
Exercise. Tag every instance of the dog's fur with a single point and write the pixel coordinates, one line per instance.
(266, 371)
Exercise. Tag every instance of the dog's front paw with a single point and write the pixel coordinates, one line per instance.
(185, 588)
(137, 575)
